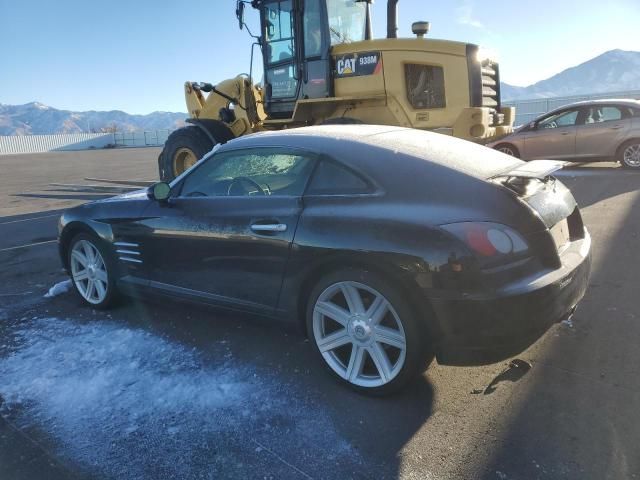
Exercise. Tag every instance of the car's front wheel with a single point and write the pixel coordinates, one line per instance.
(366, 332)
(629, 154)
(91, 272)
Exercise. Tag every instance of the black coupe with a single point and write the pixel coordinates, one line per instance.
(388, 245)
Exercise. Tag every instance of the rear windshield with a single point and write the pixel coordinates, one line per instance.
(467, 157)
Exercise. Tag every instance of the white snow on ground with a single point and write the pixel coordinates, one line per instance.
(58, 289)
(124, 402)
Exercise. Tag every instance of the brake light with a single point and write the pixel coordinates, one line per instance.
(488, 239)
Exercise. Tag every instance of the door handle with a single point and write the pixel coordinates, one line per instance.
(616, 127)
(565, 133)
(269, 227)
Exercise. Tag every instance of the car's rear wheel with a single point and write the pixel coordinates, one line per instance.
(508, 149)
(629, 154)
(91, 271)
(366, 332)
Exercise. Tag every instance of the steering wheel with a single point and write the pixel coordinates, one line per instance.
(245, 180)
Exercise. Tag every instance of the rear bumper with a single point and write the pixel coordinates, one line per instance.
(477, 330)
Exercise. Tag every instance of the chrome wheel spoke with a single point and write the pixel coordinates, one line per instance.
(356, 362)
(99, 288)
(80, 275)
(333, 311)
(80, 258)
(352, 296)
(381, 361)
(334, 340)
(88, 252)
(102, 276)
(91, 288)
(377, 310)
(390, 337)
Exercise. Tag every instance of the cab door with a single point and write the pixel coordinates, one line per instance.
(281, 57)
(316, 70)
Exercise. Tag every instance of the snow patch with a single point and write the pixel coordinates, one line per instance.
(58, 289)
(125, 402)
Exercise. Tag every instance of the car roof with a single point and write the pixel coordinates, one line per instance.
(378, 148)
(602, 101)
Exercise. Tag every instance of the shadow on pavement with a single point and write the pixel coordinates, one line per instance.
(575, 417)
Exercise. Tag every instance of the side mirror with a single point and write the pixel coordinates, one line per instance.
(159, 191)
(240, 13)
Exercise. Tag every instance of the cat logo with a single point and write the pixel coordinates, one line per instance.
(346, 66)
(358, 64)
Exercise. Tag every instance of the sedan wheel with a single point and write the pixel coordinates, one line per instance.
(631, 156)
(365, 334)
(89, 271)
(508, 150)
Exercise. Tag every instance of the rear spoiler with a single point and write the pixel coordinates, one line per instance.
(539, 169)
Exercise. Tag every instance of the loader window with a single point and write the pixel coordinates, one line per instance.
(347, 21)
(278, 31)
(425, 86)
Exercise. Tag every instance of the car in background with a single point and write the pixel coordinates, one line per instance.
(594, 130)
(364, 235)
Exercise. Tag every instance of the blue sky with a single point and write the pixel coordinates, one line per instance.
(135, 55)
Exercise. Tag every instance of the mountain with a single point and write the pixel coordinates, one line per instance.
(613, 71)
(36, 118)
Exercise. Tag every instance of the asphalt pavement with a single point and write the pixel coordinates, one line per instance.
(166, 390)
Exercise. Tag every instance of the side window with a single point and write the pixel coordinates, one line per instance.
(249, 173)
(563, 119)
(278, 30)
(331, 178)
(603, 114)
(425, 86)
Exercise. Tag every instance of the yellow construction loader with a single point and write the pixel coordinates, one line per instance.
(321, 65)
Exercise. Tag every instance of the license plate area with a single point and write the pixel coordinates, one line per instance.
(561, 234)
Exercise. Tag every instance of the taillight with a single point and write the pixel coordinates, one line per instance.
(488, 240)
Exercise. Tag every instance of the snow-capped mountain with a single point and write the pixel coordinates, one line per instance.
(613, 71)
(36, 118)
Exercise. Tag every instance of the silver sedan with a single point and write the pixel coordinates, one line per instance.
(585, 131)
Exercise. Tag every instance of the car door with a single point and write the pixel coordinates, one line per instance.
(604, 128)
(553, 136)
(225, 235)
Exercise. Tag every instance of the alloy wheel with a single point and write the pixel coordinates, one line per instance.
(359, 334)
(89, 272)
(507, 150)
(631, 156)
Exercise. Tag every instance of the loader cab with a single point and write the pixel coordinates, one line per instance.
(296, 40)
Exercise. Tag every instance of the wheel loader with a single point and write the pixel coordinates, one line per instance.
(321, 65)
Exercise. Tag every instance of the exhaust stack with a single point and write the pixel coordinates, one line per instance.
(392, 19)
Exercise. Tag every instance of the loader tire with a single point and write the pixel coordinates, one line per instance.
(183, 148)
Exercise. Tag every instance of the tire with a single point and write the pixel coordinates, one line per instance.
(102, 274)
(508, 149)
(342, 121)
(183, 148)
(355, 340)
(629, 154)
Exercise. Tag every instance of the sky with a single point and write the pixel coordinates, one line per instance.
(136, 55)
